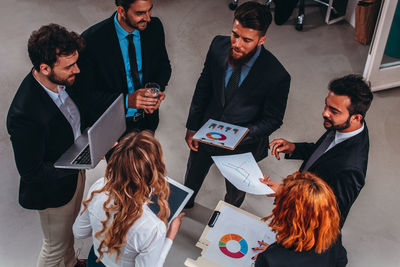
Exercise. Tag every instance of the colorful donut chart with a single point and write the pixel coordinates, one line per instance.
(243, 246)
(216, 136)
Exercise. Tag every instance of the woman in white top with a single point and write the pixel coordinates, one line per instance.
(125, 231)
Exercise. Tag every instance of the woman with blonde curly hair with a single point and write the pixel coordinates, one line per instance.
(125, 231)
(306, 222)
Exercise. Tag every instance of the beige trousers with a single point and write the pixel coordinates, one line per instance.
(58, 239)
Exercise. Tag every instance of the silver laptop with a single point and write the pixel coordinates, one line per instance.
(96, 141)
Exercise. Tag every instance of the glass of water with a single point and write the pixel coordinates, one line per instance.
(153, 88)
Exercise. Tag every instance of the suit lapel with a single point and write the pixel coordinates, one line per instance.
(222, 65)
(251, 77)
(336, 150)
(322, 157)
(50, 110)
(115, 57)
(144, 39)
(254, 72)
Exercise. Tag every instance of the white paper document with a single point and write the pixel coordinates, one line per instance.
(243, 172)
(233, 237)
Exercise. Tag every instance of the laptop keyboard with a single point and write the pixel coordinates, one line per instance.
(83, 157)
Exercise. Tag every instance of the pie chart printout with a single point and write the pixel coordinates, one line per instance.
(216, 136)
(228, 251)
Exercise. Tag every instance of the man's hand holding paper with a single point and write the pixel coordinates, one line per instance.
(243, 172)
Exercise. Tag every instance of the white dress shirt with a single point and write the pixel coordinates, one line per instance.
(146, 244)
(340, 137)
(67, 107)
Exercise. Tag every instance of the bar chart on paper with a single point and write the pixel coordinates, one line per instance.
(243, 172)
(220, 134)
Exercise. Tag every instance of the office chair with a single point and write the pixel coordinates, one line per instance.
(330, 11)
(300, 18)
(233, 5)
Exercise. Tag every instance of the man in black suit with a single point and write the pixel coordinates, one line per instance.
(43, 121)
(340, 156)
(122, 54)
(242, 83)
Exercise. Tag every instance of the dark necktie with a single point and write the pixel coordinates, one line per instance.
(133, 62)
(320, 150)
(232, 85)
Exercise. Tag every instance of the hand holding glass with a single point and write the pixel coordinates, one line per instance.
(153, 89)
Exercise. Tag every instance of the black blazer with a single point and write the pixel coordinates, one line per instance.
(343, 167)
(103, 75)
(39, 134)
(279, 256)
(259, 103)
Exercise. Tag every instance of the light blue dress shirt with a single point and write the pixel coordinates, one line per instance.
(123, 44)
(245, 68)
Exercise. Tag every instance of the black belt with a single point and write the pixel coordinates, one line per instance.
(135, 118)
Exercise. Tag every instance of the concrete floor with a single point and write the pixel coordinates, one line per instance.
(313, 57)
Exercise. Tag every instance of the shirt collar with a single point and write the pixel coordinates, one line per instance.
(251, 62)
(53, 95)
(253, 59)
(121, 32)
(340, 137)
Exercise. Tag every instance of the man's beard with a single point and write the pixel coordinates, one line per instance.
(338, 127)
(239, 62)
(56, 80)
(134, 26)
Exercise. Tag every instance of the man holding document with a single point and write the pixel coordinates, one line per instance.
(242, 83)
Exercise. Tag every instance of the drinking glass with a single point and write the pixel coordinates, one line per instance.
(153, 88)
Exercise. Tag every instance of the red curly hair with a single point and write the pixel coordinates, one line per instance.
(306, 214)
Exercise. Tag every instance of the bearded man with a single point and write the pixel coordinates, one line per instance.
(242, 83)
(43, 121)
(122, 54)
(340, 156)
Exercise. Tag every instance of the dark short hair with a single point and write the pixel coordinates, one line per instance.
(124, 3)
(254, 15)
(51, 41)
(356, 89)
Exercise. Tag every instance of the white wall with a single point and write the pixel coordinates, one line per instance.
(351, 12)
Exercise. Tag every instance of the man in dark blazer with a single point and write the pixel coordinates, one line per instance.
(340, 156)
(242, 83)
(43, 121)
(111, 65)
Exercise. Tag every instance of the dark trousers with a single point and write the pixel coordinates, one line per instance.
(149, 122)
(199, 164)
(91, 261)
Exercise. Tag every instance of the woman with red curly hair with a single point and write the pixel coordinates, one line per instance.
(125, 231)
(306, 223)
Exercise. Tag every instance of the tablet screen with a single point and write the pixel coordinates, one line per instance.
(178, 197)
